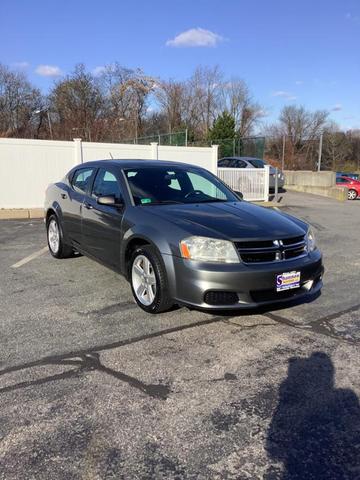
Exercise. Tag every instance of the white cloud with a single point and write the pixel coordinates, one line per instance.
(337, 107)
(195, 37)
(99, 70)
(48, 71)
(299, 82)
(263, 113)
(21, 65)
(283, 94)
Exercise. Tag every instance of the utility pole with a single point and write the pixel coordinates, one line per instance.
(283, 154)
(320, 151)
(50, 126)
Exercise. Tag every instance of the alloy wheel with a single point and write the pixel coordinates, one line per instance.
(352, 195)
(143, 280)
(54, 236)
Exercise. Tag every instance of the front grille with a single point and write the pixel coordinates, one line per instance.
(272, 250)
(213, 297)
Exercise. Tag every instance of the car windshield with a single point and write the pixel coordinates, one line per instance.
(257, 163)
(164, 185)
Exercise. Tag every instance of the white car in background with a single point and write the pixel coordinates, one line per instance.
(250, 162)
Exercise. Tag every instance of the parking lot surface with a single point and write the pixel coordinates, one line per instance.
(92, 387)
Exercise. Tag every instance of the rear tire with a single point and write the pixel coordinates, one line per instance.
(352, 194)
(57, 247)
(148, 280)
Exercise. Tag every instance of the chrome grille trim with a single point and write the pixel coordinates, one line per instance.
(280, 250)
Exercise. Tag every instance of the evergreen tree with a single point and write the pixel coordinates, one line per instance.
(223, 128)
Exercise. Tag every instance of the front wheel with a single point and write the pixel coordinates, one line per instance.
(149, 281)
(57, 247)
(352, 194)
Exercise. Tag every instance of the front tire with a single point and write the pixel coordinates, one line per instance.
(57, 247)
(352, 194)
(149, 281)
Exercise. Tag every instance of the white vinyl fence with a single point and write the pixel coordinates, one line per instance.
(27, 167)
(253, 183)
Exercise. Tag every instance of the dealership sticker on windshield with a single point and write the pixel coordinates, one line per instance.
(146, 200)
(287, 280)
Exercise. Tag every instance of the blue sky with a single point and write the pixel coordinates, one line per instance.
(304, 52)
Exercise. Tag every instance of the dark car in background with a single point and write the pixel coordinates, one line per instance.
(180, 236)
(352, 185)
(250, 162)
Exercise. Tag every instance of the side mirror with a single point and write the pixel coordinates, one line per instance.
(109, 200)
(239, 194)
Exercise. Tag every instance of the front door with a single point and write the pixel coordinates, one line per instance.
(72, 201)
(101, 224)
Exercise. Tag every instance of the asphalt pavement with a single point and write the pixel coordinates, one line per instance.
(92, 387)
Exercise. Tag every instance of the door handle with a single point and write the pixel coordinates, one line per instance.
(63, 195)
(88, 206)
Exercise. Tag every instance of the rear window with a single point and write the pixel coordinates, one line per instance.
(257, 163)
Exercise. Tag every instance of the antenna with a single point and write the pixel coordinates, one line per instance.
(112, 158)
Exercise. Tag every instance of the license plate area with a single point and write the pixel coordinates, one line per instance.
(287, 281)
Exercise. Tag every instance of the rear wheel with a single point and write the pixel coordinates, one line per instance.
(352, 194)
(149, 281)
(57, 247)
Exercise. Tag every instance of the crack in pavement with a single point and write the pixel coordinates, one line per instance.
(321, 326)
(89, 359)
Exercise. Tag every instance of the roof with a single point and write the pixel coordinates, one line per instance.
(234, 157)
(129, 163)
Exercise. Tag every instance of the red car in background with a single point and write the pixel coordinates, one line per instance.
(352, 185)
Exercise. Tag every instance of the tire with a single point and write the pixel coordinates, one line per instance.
(352, 194)
(148, 280)
(54, 234)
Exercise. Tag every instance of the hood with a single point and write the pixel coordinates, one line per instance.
(233, 221)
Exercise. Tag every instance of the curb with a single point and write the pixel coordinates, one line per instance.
(21, 213)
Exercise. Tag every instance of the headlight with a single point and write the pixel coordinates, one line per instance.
(311, 241)
(205, 249)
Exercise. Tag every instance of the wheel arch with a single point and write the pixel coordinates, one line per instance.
(134, 243)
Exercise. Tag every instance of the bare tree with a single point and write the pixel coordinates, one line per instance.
(77, 105)
(18, 102)
(171, 97)
(202, 102)
(301, 129)
(125, 94)
(237, 100)
(336, 147)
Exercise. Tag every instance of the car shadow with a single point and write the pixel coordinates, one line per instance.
(315, 429)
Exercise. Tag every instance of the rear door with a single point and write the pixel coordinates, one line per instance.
(72, 201)
(101, 224)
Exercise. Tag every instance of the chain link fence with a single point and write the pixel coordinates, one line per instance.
(175, 139)
(336, 151)
(229, 147)
(236, 147)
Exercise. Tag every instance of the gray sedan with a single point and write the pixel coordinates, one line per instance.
(250, 162)
(180, 236)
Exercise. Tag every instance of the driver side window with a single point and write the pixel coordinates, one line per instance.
(205, 186)
(106, 184)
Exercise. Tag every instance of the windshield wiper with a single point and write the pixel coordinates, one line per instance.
(208, 200)
(164, 202)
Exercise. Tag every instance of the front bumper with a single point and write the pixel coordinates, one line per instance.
(254, 285)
